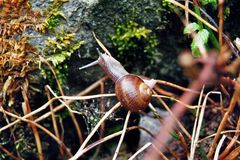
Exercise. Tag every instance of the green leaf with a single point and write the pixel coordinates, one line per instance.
(200, 39)
(191, 27)
(205, 2)
(202, 36)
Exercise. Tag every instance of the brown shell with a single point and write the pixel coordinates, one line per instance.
(133, 93)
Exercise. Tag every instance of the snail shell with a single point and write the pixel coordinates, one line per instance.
(133, 93)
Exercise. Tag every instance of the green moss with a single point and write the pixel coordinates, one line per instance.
(58, 50)
(135, 42)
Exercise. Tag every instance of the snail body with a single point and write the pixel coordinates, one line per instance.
(131, 90)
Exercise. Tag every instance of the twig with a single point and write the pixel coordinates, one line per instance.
(234, 154)
(34, 128)
(231, 144)
(223, 132)
(55, 127)
(220, 29)
(79, 152)
(122, 136)
(8, 153)
(182, 88)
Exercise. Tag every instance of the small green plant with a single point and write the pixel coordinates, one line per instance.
(53, 21)
(211, 2)
(201, 38)
(57, 51)
(135, 42)
(126, 33)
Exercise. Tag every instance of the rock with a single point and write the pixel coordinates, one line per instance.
(151, 124)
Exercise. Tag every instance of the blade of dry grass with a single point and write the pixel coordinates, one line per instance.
(140, 150)
(176, 100)
(77, 127)
(193, 14)
(54, 122)
(174, 117)
(198, 122)
(101, 44)
(79, 152)
(122, 135)
(219, 147)
(40, 127)
(195, 124)
(111, 136)
(186, 12)
(184, 89)
(71, 98)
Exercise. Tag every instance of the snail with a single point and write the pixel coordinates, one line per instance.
(134, 92)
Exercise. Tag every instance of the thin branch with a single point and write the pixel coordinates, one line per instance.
(234, 154)
(231, 144)
(34, 128)
(220, 29)
(8, 153)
